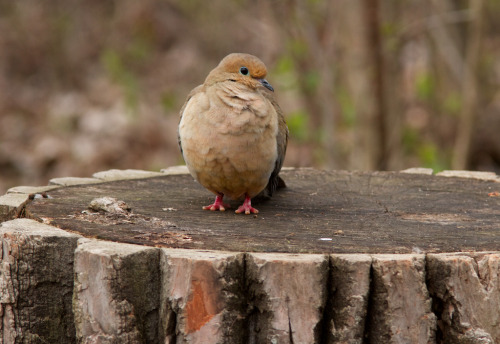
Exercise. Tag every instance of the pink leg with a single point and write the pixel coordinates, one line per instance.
(247, 207)
(218, 204)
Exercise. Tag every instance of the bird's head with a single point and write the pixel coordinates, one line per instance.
(242, 68)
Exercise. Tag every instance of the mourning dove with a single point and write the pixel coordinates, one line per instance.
(232, 133)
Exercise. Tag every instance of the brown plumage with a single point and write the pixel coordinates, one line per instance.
(232, 133)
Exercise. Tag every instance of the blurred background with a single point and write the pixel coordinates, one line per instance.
(91, 85)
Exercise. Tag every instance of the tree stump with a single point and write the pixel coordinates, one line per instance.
(336, 257)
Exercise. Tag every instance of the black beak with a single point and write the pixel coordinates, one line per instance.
(266, 84)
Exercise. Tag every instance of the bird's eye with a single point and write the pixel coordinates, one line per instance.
(244, 70)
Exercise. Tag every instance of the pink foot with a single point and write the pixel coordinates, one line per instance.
(217, 205)
(246, 207)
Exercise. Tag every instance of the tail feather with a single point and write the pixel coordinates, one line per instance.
(275, 183)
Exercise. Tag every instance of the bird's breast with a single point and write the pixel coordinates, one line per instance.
(230, 146)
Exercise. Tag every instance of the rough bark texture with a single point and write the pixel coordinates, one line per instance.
(288, 293)
(116, 293)
(134, 294)
(11, 205)
(399, 289)
(57, 287)
(36, 283)
(347, 305)
(202, 297)
(466, 293)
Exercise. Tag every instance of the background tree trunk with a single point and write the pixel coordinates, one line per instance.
(466, 124)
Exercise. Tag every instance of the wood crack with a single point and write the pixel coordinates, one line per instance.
(370, 310)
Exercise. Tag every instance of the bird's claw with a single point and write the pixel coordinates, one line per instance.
(217, 205)
(246, 210)
(246, 207)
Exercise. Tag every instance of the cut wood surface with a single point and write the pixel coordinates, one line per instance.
(319, 212)
(337, 257)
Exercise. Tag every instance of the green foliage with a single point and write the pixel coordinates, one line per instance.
(410, 140)
(180, 159)
(284, 65)
(347, 107)
(425, 86)
(428, 153)
(115, 66)
(121, 64)
(139, 49)
(311, 81)
(168, 101)
(388, 29)
(320, 135)
(188, 6)
(319, 155)
(298, 47)
(61, 24)
(298, 124)
(452, 103)
(389, 32)
(284, 71)
(431, 157)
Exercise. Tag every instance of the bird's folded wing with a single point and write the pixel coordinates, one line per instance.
(195, 91)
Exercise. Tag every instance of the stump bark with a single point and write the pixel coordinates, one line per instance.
(336, 257)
